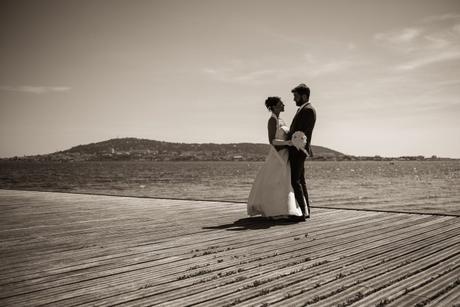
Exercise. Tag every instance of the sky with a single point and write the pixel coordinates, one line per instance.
(384, 75)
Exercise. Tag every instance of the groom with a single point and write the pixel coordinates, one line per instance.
(304, 121)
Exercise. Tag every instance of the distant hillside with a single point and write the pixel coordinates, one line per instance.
(150, 150)
(158, 150)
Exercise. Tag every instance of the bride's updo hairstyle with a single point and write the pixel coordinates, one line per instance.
(270, 102)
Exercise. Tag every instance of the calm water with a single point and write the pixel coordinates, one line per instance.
(420, 186)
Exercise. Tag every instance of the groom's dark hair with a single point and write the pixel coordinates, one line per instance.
(302, 89)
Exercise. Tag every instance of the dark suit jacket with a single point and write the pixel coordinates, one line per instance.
(303, 121)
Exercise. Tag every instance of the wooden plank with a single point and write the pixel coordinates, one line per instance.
(220, 288)
(451, 296)
(269, 244)
(175, 243)
(400, 288)
(360, 266)
(311, 294)
(67, 249)
(433, 287)
(362, 293)
(308, 278)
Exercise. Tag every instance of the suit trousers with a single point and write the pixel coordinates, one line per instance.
(299, 185)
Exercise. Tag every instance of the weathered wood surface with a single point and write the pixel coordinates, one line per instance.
(67, 249)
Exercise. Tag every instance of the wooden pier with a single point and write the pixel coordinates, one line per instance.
(74, 249)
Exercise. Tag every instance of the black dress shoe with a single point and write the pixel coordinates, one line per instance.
(295, 218)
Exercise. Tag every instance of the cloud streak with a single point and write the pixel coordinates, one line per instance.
(432, 59)
(34, 89)
(271, 69)
(264, 74)
(436, 39)
(399, 37)
(316, 69)
(443, 17)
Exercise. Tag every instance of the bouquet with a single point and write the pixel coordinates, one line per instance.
(299, 140)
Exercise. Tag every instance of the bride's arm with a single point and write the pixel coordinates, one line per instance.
(277, 142)
(271, 129)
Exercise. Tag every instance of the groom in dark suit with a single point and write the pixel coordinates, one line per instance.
(304, 121)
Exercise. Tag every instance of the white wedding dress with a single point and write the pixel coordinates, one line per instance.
(272, 194)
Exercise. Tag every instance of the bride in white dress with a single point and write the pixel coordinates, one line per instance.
(272, 194)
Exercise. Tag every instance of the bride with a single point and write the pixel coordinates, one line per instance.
(272, 194)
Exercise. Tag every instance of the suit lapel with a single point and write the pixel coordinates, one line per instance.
(291, 128)
(294, 120)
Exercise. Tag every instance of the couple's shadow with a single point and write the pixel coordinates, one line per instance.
(251, 223)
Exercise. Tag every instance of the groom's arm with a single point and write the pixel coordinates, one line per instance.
(307, 123)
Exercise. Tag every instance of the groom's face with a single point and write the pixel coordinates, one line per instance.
(298, 99)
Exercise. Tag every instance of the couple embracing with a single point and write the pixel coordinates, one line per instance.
(279, 190)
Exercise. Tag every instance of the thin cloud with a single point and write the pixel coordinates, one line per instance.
(239, 72)
(426, 60)
(456, 28)
(318, 67)
(331, 67)
(262, 75)
(256, 75)
(351, 46)
(210, 71)
(442, 17)
(398, 37)
(34, 89)
(435, 40)
(235, 76)
(449, 82)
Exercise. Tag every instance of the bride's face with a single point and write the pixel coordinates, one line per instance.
(279, 107)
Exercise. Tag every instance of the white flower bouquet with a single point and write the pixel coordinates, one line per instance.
(299, 140)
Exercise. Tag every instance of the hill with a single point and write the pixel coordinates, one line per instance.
(145, 149)
(152, 150)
